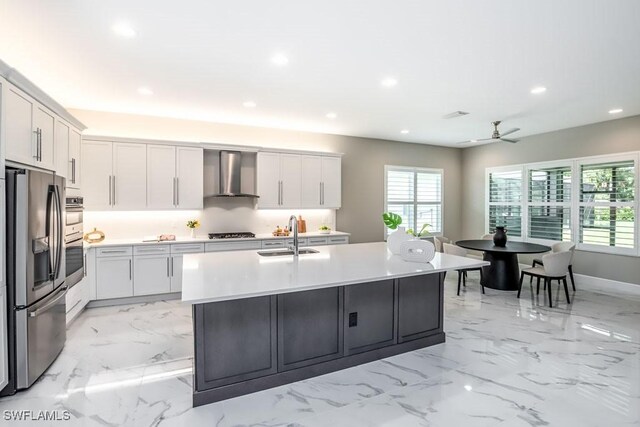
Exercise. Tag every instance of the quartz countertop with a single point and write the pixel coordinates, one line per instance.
(205, 239)
(223, 276)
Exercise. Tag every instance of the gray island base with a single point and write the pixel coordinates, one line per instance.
(261, 322)
(251, 344)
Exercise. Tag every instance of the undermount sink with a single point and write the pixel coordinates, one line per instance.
(287, 252)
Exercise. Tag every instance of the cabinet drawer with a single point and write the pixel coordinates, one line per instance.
(187, 248)
(73, 297)
(338, 240)
(314, 241)
(232, 246)
(152, 250)
(114, 251)
(266, 244)
(301, 242)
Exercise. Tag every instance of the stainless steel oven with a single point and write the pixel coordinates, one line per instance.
(73, 235)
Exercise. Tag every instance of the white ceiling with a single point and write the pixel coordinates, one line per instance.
(204, 58)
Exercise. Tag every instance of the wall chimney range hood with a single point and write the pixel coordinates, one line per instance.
(230, 180)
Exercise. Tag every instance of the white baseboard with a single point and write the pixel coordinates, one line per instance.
(599, 284)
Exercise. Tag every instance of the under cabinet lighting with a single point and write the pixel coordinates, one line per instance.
(389, 82)
(145, 91)
(280, 59)
(249, 104)
(124, 29)
(331, 116)
(615, 111)
(404, 131)
(538, 90)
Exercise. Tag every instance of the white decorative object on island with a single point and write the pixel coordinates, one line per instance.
(395, 240)
(417, 250)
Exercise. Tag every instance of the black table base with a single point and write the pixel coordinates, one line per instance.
(504, 272)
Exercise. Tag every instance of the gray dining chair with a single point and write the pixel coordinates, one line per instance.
(555, 266)
(487, 237)
(462, 273)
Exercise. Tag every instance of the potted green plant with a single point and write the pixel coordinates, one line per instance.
(395, 239)
(423, 231)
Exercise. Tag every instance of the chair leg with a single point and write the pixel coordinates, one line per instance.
(538, 286)
(548, 285)
(573, 282)
(481, 280)
(444, 276)
(464, 279)
(459, 280)
(566, 290)
(520, 284)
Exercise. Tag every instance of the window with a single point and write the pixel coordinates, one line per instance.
(549, 210)
(607, 204)
(416, 195)
(590, 201)
(505, 201)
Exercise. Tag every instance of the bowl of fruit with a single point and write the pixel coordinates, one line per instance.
(324, 229)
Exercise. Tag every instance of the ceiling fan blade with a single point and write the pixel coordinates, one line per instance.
(513, 141)
(477, 140)
(510, 131)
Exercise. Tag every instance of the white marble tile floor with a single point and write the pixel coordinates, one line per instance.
(506, 362)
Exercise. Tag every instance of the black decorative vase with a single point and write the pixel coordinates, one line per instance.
(500, 238)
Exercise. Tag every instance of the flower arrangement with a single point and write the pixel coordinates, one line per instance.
(193, 223)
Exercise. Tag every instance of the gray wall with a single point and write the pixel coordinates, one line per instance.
(615, 136)
(362, 167)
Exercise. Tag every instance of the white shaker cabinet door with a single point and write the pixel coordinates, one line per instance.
(97, 174)
(177, 262)
(268, 180)
(73, 172)
(19, 131)
(45, 122)
(291, 175)
(62, 151)
(114, 277)
(331, 182)
(152, 275)
(129, 176)
(311, 181)
(161, 174)
(189, 178)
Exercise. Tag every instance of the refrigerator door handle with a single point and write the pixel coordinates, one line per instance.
(38, 311)
(59, 232)
(50, 231)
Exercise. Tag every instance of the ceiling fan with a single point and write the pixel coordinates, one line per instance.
(496, 136)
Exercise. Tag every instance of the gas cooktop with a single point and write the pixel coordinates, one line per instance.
(234, 235)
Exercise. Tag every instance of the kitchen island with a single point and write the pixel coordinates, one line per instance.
(263, 321)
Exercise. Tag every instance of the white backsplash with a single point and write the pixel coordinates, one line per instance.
(219, 215)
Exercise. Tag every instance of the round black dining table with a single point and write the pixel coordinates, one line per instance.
(503, 273)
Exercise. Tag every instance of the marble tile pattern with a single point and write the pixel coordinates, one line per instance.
(506, 362)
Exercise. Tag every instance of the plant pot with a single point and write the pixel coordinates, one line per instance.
(500, 238)
(395, 240)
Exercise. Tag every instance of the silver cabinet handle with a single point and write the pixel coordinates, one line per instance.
(172, 266)
(177, 191)
(174, 191)
(73, 171)
(84, 266)
(278, 193)
(113, 251)
(130, 272)
(114, 190)
(168, 273)
(320, 193)
(110, 203)
(39, 144)
(323, 194)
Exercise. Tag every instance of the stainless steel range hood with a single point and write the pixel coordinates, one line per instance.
(230, 180)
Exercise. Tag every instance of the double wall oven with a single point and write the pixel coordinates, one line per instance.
(73, 235)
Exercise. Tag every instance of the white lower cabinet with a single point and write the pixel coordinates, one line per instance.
(4, 370)
(177, 262)
(151, 275)
(233, 246)
(114, 277)
(76, 299)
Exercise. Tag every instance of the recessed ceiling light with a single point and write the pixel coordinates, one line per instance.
(331, 116)
(538, 90)
(389, 82)
(404, 131)
(615, 111)
(145, 91)
(280, 59)
(124, 29)
(249, 104)
(473, 140)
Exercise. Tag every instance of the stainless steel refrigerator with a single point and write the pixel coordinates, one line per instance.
(35, 274)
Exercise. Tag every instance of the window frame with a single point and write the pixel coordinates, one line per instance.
(416, 169)
(488, 202)
(575, 203)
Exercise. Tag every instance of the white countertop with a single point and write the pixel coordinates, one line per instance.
(223, 276)
(204, 239)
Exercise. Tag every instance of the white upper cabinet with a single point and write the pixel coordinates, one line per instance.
(189, 177)
(114, 175)
(129, 187)
(278, 180)
(161, 176)
(174, 177)
(97, 174)
(268, 182)
(62, 150)
(311, 181)
(22, 140)
(331, 182)
(73, 171)
(44, 122)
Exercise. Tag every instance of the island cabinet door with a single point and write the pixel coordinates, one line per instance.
(235, 341)
(310, 328)
(419, 306)
(369, 316)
